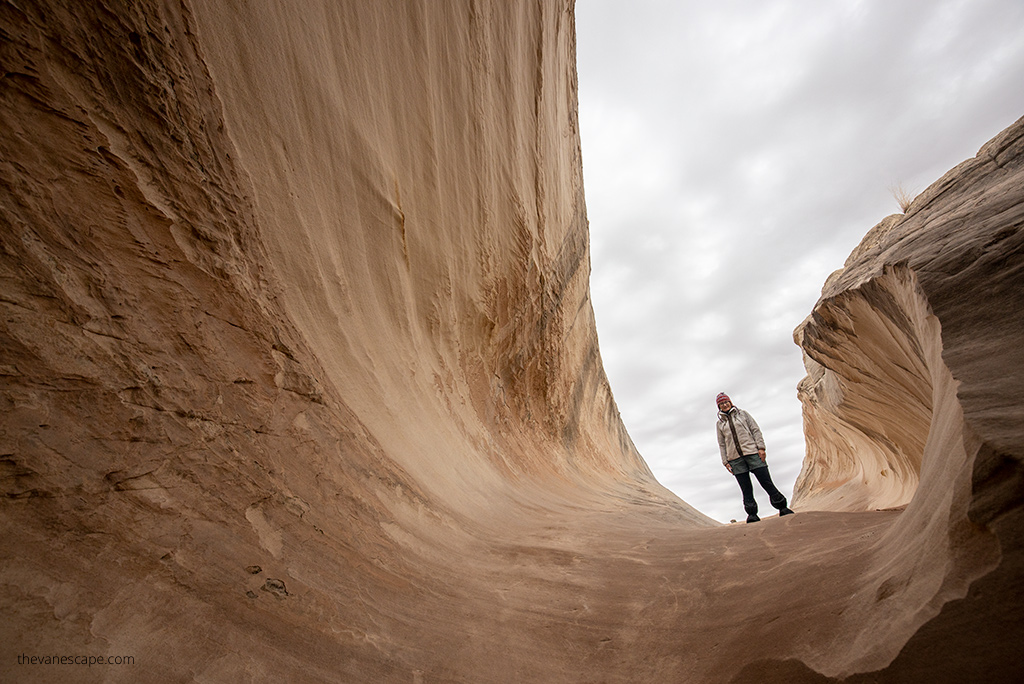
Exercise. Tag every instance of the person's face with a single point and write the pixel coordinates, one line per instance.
(725, 406)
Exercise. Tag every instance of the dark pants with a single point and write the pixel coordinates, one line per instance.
(777, 498)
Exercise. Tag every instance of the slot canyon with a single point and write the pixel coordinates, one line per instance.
(300, 379)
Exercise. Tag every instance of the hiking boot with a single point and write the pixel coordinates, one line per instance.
(780, 504)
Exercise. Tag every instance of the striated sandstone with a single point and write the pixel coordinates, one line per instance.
(933, 294)
(915, 398)
(300, 379)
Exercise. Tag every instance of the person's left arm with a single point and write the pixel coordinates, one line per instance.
(755, 432)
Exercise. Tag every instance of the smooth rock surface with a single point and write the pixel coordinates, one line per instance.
(935, 292)
(299, 379)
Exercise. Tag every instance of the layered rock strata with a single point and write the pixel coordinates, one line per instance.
(914, 396)
(296, 335)
(934, 292)
(300, 381)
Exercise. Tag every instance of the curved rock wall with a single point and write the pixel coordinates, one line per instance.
(868, 407)
(296, 340)
(915, 399)
(934, 292)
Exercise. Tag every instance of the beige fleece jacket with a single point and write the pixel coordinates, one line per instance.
(747, 431)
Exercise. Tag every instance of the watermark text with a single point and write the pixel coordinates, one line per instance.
(87, 660)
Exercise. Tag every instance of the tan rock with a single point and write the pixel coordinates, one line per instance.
(934, 292)
(915, 397)
(300, 380)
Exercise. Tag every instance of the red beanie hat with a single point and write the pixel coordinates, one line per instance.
(722, 398)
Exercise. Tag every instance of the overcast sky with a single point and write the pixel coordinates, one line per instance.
(734, 153)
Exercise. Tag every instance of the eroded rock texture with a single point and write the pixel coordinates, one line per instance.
(300, 380)
(918, 333)
(915, 388)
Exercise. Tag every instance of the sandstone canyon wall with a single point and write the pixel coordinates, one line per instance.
(918, 332)
(914, 397)
(300, 378)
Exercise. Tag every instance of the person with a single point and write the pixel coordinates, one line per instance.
(743, 452)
